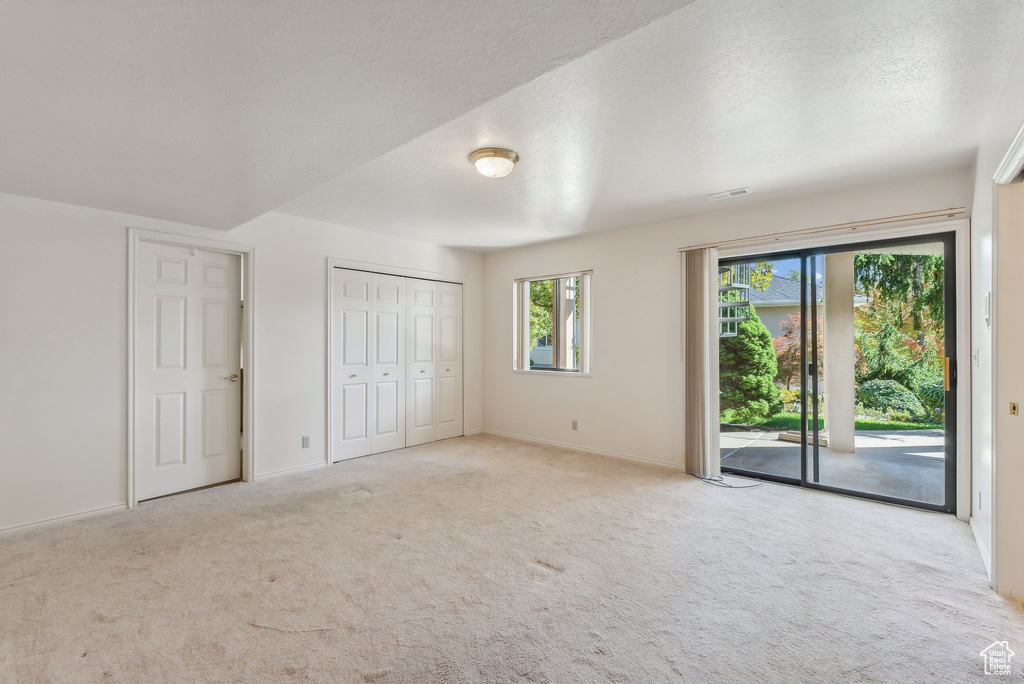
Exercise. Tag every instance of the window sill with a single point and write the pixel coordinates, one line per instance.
(552, 372)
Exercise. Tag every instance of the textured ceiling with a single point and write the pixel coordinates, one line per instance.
(778, 96)
(212, 112)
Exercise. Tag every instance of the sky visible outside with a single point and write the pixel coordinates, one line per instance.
(783, 268)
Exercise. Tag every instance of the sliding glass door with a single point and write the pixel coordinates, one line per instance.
(837, 372)
(759, 366)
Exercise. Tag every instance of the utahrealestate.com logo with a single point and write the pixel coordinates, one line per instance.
(997, 658)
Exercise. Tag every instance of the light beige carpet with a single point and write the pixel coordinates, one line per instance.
(489, 560)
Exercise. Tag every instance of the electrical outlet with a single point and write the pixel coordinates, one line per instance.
(575, 425)
(305, 441)
(1014, 408)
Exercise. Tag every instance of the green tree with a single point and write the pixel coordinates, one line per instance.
(542, 295)
(909, 287)
(899, 332)
(542, 321)
(747, 370)
(761, 275)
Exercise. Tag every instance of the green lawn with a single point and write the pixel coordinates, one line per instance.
(791, 421)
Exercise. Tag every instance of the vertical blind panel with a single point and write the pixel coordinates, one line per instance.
(700, 362)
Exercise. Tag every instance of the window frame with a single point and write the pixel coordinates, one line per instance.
(521, 325)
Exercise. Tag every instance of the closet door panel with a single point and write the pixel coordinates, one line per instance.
(350, 364)
(421, 296)
(448, 402)
(388, 370)
(422, 403)
(448, 351)
(397, 376)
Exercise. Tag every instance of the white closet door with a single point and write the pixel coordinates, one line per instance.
(387, 430)
(350, 364)
(420, 333)
(187, 367)
(448, 352)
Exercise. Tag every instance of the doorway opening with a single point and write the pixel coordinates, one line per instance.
(837, 369)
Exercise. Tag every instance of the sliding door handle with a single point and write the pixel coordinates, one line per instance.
(946, 383)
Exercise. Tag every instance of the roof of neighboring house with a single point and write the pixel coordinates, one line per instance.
(781, 291)
(785, 291)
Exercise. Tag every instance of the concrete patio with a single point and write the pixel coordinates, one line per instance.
(907, 464)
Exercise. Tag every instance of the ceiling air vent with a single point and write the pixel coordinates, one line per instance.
(729, 194)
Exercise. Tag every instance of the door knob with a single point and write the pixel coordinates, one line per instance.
(387, 374)
(233, 377)
(423, 371)
(447, 370)
(353, 375)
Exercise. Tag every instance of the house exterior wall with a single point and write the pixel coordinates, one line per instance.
(773, 316)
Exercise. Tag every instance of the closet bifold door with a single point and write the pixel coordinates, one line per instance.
(387, 372)
(350, 364)
(421, 297)
(448, 353)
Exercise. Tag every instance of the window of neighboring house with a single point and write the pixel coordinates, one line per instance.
(553, 323)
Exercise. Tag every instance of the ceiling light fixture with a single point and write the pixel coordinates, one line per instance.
(494, 162)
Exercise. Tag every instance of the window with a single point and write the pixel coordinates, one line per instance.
(553, 323)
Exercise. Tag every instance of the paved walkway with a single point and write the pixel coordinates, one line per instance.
(908, 464)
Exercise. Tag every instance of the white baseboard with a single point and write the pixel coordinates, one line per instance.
(983, 549)
(63, 518)
(578, 447)
(470, 433)
(296, 469)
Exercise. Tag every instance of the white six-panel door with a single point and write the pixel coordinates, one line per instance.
(448, 352)
(388, 364)
(187, 369)
(350, 364)
(396, 362)
(420, 410)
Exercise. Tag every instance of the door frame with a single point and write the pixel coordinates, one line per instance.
(852, 237)
(248, 256)
(382, 269)
(950, 296)
(1009, 168)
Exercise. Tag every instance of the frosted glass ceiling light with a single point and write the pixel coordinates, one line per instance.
(494, 162)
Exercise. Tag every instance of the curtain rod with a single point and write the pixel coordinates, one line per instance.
(851, 225)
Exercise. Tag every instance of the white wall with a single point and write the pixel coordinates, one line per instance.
(632, 404)
(63, 292)
(1003, 125)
